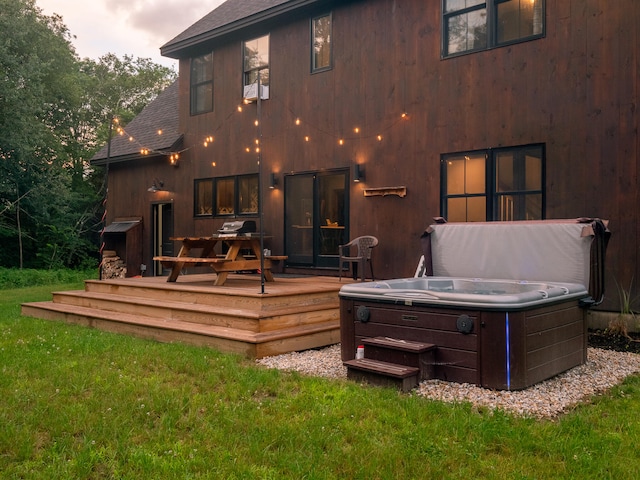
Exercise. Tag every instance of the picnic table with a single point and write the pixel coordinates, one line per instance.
(233, 261)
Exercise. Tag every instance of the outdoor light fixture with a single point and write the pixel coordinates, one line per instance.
(273, 181)
(157, 186)
(358, 173)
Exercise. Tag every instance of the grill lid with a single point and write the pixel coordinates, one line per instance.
(238, 227)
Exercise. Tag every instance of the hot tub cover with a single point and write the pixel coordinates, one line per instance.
(567, 251)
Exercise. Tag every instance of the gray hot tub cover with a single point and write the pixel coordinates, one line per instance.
(570, 251)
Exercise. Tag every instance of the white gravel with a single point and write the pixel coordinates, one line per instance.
(548, 399)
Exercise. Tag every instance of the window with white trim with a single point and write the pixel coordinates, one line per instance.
(256, 68)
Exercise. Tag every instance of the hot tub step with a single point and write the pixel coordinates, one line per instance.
(383, 373)
(399, 344)
(402, 352)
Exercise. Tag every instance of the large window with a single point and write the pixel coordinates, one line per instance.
(471, 25)
(256, 66)
(321, 52)
(496, 184)
(226, 196)
(202, 84)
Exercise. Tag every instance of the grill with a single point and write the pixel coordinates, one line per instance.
(238, 227)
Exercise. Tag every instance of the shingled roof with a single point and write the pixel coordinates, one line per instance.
(231, 16)
(160, 114)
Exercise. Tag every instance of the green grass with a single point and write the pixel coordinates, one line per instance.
(15, 278)
(78, 403)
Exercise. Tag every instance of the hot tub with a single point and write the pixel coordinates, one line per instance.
(504, 331)
(468, 293)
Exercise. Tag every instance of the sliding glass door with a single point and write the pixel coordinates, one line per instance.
(316, 217)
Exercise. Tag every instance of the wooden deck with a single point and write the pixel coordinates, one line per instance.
(293, 313)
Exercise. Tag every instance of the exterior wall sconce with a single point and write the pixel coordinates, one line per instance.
(273, 181)
(158, 186)
(173, 159)
(358, 173)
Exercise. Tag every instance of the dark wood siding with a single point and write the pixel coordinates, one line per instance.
(575, 91)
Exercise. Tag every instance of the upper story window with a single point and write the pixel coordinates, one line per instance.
(321, 51)
(472, 25)
(256, 68)
(496, 184)
(201, 80)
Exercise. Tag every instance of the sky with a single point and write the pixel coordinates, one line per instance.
(127, 27)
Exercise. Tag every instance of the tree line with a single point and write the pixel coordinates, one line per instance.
(55, 113)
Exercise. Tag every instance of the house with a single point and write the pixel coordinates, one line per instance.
(135, 161)
(373, 117)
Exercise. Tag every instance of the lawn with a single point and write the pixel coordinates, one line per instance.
(80, 403)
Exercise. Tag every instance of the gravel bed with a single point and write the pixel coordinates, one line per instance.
(548, 399)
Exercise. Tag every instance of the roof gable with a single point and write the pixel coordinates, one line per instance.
(231, 16)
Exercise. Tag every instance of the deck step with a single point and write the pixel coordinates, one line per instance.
(293, 314)
(240, 290)
(241, 318)
(402, 352)
(383, 373)
(251, 344)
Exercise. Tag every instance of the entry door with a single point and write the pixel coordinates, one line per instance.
(162, 232)
(316, 218)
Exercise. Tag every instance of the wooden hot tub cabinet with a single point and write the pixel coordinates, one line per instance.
(505, 350)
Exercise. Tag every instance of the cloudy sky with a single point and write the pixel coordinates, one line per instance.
(134, 27)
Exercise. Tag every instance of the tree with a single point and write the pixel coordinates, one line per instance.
(37, 65)
(55, 111)
(117, 87)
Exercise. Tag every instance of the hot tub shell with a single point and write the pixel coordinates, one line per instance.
(506, 332)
